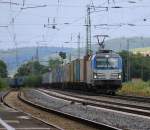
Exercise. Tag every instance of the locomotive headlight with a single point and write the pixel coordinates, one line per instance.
(119, 76)
(95, 76)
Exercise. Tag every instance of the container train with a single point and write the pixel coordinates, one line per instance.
(101, 72)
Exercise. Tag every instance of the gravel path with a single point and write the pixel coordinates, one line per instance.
(51, 118)
(121, 120)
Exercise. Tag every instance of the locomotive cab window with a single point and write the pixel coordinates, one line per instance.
(113, 63)
(107, 63)
(101, 63)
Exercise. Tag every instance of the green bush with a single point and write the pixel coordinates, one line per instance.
(139, 66)
(33, 81)
(3, 84)
(138, 88)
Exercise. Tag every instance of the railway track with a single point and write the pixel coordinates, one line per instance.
(123, 97)
(117, 96)
(129, 108)
(130, 98)
(12, 115)
(89, 123)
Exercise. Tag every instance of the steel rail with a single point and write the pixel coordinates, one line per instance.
(129, 108)
(69, 116)
(117, 96)
(8, 105)
(130, 98)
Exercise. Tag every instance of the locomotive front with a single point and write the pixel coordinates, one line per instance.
(106, 71)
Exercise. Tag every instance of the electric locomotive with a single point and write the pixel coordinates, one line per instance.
(106, 71)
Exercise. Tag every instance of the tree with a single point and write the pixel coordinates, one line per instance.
(146, 68)
(139, 65)
(33, 80)
(54, 62)
(32, 67)
(124, 55)
(3, 69)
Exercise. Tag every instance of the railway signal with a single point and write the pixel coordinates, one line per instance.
(62, 55)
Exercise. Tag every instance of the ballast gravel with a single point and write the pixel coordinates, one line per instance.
(123, 101)
(113, 118)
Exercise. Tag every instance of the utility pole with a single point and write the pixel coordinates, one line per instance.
(88, 31)
(79, 45)
(142, 61)
(37, 52)
(14, 40)
(16, 49)
(128, 61)
(70, 57)
(32, 66)
(88, 40)
(120, 48)
(17, 61)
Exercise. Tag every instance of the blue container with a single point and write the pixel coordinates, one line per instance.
(77, 70)
(74, 71)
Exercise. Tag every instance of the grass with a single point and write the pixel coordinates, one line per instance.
(3, 84)
(136, 88)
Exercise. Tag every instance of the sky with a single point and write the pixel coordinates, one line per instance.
(21, 25)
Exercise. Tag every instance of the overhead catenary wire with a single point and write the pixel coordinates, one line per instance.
(63, 5)
(23, 3)
(9, 2)
(62, 24)
(33, 7)
(73, 23)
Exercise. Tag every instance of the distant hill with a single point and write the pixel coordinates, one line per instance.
(28, 53)
(122, 43)
(119, 44)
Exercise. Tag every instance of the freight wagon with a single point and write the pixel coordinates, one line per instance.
(16, 82)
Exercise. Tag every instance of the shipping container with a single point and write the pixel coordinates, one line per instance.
(74, 71)
(67, 73)
(47, 78)
(71, 72)
(77, 70)
(59, 74)
(56, 75)
(89, 75)
(62, 74)
(81, 70)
